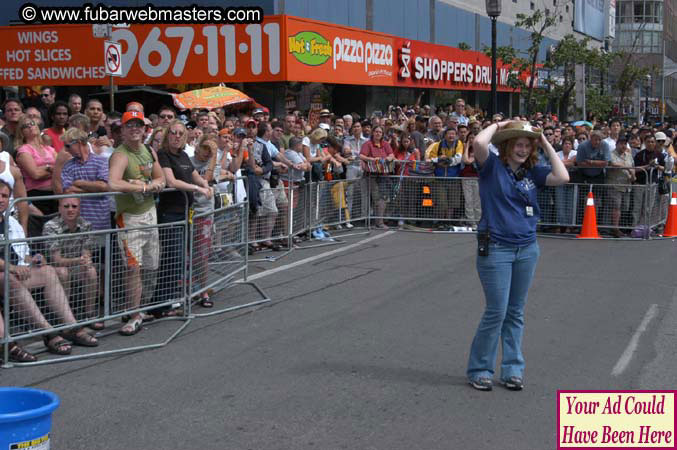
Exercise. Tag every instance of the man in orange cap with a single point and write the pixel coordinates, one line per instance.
(134, 170)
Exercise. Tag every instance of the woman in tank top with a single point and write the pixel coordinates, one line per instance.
(36, 162)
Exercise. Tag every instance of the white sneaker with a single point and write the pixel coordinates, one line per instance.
(349, 225)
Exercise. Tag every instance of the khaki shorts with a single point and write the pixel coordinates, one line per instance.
(619, 199)
(271, 198)
(139, 247)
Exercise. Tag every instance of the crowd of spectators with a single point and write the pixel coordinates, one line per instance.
(55, 148)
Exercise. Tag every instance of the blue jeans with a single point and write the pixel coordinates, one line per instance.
(564, 202)
(506, 276)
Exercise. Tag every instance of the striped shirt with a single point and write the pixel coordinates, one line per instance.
(95, 210)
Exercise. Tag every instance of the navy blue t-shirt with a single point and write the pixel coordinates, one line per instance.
(504, 209)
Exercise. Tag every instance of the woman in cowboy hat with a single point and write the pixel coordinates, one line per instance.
(507, 246)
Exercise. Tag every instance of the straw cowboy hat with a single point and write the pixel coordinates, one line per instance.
(516, 129)
(318, 135)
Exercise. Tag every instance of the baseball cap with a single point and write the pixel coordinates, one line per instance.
(257, 111)
(324, 126)
(660, 136)
(251, 121)
(132, 115)
(238, 132)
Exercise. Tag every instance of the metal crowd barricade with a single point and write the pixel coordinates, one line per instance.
(271, 222)
(218, 252)
(423, 199)
(47, 297)
(337, 203)
(632, 205)
(299, 207)
(657, 204)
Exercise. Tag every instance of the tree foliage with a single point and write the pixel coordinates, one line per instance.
(520, 62)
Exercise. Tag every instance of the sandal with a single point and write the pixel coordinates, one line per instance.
(206, 302)
(132, 327)
(144, 316)
(96, 326)
(81, 338)
(57, 345)
(167, 313)
(18, 354)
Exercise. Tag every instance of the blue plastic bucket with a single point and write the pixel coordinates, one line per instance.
(26, 418)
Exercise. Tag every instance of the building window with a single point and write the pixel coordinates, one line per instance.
(532, 6)
(560, 19)
(554, 2)
(567, 8)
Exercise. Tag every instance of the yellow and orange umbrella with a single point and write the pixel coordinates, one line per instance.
(213, 97)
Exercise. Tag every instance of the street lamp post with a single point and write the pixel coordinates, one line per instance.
(493, 11)
(646, 99)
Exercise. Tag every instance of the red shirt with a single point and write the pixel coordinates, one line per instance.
(370, 150)
(57, 143)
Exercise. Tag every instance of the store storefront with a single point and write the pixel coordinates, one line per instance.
(284, 62)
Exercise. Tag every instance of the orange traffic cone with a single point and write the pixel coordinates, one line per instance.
(589, 230)
(671, 224)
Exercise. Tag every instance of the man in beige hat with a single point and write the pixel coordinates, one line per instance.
(325, 116)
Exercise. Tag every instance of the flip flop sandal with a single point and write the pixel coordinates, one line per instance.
(132, 327)
(18, 354)
(206, 302)
(57, 345)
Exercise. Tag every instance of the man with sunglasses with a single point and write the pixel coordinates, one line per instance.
(134, 170)
(165, 116)
(47, 99)
(74, 257)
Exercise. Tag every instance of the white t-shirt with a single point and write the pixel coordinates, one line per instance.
(572, 155)
(225, 187)
(611, 143)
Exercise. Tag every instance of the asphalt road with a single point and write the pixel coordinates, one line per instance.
(367, 348)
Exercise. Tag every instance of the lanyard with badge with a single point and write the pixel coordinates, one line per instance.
(522, 187)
